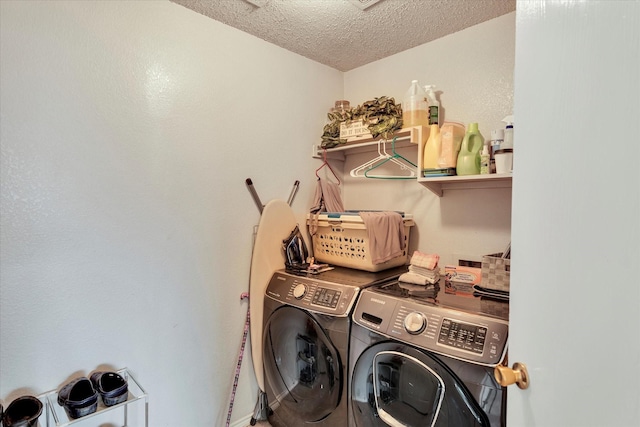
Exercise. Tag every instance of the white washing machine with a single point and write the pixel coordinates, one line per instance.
(422, 357)
(307, 321)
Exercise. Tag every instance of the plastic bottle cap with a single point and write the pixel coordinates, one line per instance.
(414, 81)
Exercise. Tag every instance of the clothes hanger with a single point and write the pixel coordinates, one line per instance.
(358, 171)
(325, 163)
(399, 160)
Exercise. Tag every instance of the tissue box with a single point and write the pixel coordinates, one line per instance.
(460, 280)
(496, 272)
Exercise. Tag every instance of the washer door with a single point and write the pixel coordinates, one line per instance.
(400, 386)
(303, 370)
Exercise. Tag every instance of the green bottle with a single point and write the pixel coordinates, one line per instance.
(469, 156)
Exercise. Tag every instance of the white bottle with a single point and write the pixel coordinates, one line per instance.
(414, 107)
(485, 160)
(508, 133)
(497, 139)
(433, 106)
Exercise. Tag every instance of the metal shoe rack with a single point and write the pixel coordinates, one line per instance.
(54, 415)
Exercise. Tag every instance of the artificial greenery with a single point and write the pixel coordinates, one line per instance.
(382, 116)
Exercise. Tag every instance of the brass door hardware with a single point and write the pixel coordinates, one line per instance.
(518, 375)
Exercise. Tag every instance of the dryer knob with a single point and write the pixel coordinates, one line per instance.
(415, 323)
(299, 291)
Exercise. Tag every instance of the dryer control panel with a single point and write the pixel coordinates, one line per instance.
(471, 337)
(312, 294)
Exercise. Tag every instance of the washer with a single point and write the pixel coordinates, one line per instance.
(307, 321)
(422, 357)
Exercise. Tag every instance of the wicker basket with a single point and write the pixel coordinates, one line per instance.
(496, 272)
(342, 239)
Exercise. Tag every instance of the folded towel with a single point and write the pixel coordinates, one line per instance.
(420, 291)
(417, 279)
(386, 235)
(428, 261)
(423, 271)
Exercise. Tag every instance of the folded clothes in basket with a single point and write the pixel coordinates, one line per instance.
(386, 235)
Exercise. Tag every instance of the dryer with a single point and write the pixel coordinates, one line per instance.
(306, 326)
(422, 357)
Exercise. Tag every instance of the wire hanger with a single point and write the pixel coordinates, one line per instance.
(399, 160)
(325, 163)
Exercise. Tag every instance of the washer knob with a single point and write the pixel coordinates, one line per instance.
(415, 323)
(299, 291)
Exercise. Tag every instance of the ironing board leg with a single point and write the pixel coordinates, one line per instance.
(260, 413)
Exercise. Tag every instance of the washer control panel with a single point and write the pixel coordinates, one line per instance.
(312, 294)
(471, 337)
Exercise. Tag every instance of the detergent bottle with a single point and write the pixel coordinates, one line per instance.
(432, 148)
(414, 107)
(469, 156)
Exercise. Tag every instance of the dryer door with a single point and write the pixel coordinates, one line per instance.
(398, 385)
(303, 369)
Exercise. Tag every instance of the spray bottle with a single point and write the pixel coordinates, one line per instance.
(433, 106)
(485, 160)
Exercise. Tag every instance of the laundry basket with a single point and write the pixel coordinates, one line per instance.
(342, 239)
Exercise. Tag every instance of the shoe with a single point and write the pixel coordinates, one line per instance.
(111, 386)
(78, 398)
(22, 412)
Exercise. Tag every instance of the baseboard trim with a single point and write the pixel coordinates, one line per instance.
(242, 422)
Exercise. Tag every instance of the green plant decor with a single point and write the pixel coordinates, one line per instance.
(382, 116)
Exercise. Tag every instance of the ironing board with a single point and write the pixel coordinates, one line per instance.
(276, 223)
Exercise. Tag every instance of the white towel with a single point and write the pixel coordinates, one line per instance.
(423, 271)
(417, 279)
(428, 261)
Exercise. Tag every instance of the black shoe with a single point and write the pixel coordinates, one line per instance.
(78, 398)
(112, 387)
(22, 412)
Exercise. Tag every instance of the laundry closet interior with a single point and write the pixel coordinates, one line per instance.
(458, 218)
(133, 133)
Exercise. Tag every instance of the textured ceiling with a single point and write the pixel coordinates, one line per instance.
(338, 34)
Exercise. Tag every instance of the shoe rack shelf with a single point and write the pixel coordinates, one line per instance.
(55, 416)
(417, 136)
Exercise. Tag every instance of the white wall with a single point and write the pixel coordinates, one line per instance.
(473, 73)
(128, 130)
